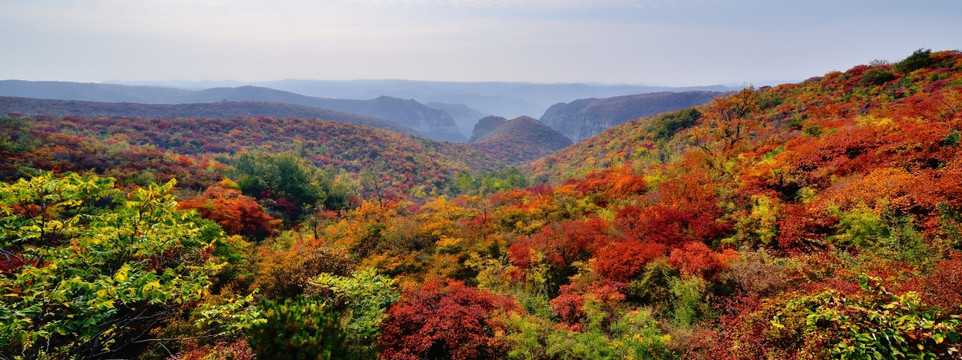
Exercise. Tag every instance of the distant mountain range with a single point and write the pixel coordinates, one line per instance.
(223, 109)
(505, 99)
(433, 123)
(454, 107)
(464, 116)
(583, 118)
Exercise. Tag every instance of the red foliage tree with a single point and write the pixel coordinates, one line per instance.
(621, 261)
(569, 304)
(237, 350)
(615, 183)
(685, 209)
(237, 214)
(445, 319)
(804, 226)
(562, 243)
(695, 258)
(944, 287)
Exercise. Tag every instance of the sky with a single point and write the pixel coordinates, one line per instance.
(650, 42)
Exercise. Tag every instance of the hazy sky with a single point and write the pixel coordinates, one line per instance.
(651, 42)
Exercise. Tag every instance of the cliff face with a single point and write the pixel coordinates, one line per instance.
(583, 118)
(432, 123)
(464, 116)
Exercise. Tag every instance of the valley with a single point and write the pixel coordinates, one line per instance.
(817, 219)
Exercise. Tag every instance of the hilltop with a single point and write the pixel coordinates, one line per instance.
(485, 127)
(518, 140)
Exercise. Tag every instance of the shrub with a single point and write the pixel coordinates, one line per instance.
(876, 77)
(299, 328)
(919, 59)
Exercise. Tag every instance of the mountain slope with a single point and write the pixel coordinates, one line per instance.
(583, 118)
(433, 123)
(401, 163)
(815, 220)
(35, 107)
(798, 221)
(518, 140)
(821, 104)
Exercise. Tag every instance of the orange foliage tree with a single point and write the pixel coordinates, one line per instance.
(237, 214)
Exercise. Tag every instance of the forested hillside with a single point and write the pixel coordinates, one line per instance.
(403, 163)
(816, 220)
(430, 122)
(223, 109)
(518, 140)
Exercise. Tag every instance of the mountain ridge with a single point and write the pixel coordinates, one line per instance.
(583, 118)
(508, 99)
(433, 123)
(223, 109)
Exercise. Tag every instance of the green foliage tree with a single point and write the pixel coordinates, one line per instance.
(919, 59)
(489, 182)
(288, 184)
(365, 297)
(299, 328)
(876, 77)
(631, 335)
(91, 270)
(14, 135)
(663, 127)
(874, 324)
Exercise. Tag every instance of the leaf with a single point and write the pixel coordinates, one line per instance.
(151, 285)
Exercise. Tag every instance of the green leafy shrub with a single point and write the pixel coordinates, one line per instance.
(365, 297)
(876, 77)
(876, 324)
(665, 126)
(299, 328)
(91, 270)
(919, 59)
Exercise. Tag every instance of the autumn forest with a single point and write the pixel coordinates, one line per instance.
(811, 220)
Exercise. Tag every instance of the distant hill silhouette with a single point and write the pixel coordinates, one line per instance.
(581, 119)
(433, 123)
(61, 90)
(508, 99)
(228, 109)
(464, 116)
